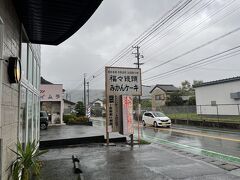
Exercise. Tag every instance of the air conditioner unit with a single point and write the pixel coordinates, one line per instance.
(235, 95)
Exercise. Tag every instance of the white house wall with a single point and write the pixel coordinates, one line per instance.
(221, 94)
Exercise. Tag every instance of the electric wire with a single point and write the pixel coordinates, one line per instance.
(194, 49)
(201, 61)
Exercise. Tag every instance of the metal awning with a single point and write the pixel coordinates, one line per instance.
(53, 21)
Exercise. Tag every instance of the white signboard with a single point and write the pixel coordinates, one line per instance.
(123, 81)
(51, 92)
(113, 113)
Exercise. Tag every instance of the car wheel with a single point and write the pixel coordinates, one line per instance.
(43, 126)
(143, 122)
(155, 124)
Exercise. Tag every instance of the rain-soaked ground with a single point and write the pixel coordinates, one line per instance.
(120, 162)
(223, 141)
(167, 157)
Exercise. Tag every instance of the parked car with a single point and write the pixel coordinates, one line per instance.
(156, 119)
(43, 120)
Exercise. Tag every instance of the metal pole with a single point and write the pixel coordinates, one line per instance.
(88, 93)
(137, 55)
(139, 97)
(84, 92)
(201, 114)
(217, 115)
(238, 113)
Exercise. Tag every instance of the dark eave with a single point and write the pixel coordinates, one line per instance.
(53, 21)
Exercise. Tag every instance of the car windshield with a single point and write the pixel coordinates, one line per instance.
(159, 114)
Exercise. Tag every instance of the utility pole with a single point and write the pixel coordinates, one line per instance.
(88, 93)
(84, 91)
(138, 56)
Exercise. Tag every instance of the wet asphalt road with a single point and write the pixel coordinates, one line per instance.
(223, 142)
(226, 142)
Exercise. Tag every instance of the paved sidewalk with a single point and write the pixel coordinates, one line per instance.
(74, 131)
(147, 162)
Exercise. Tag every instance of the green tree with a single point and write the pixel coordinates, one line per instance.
(186, 88)
(80, 109)
(174, 100)
(135, 103)
(146, 103)
(192, 100)
(197, 82)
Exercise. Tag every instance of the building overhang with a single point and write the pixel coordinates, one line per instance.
(53, 21)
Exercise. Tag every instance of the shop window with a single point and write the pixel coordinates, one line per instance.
(24, 59)
(35, 117)
(38, 77)
(24, 56)
(30, 65)
(30, 115)
(34, 73)
(23, 116)
(38, 119)
(1, 37)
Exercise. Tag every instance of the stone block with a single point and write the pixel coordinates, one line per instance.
(6, 95)
(228, 167)
(15, 98)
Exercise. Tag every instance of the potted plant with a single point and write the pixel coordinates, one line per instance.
(27, 162)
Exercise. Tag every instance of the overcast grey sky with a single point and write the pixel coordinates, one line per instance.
(117, 23)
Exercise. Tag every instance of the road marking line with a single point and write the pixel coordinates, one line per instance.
(197, 134)
(234, 132)
(196, 150)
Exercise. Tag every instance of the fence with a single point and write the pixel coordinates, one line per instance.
(219, 115)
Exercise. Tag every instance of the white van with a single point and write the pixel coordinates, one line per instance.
(156, 119)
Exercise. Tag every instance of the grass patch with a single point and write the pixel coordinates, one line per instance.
(142, 141)
(196, 117)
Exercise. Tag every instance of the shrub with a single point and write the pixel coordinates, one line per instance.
(82, 119)
(71, 121)
(28, 162)
(66, 118)
(77, 120)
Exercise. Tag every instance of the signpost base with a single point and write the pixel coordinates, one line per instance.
(131, 136)
(107, 138)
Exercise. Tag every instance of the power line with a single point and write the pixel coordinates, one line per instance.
(180, 22)
(192, 28)
(194, 49)
(196, 66)
(150, 30)
(204, 60)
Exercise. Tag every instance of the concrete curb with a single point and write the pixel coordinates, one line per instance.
(56, 143)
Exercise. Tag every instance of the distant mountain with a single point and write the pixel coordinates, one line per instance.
(77, 95)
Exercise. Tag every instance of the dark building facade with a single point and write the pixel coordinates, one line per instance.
(24, 25)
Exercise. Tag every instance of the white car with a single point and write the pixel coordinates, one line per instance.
(156, 119)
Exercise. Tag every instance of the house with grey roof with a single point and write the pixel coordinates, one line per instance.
(160, 93)
(146, 95)
(220, 96)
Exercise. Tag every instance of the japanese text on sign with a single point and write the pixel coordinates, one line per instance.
(123, 81)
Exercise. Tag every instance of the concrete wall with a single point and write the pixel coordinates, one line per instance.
(221, 94)
(9, 93)
(158, 103)
(53, 108)
(68, 108)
